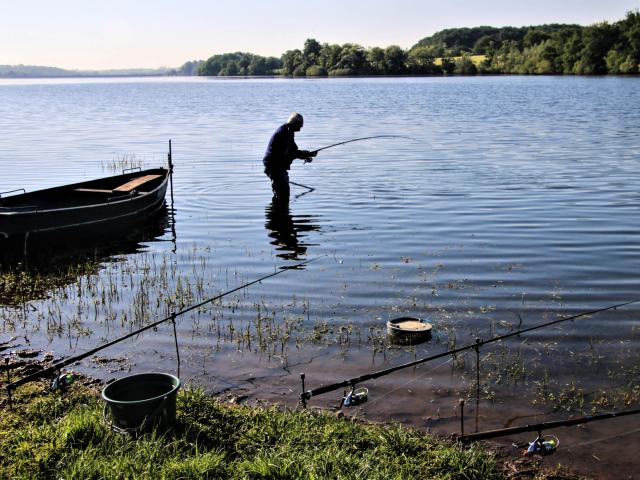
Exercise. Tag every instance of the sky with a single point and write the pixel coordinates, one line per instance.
(110, 34)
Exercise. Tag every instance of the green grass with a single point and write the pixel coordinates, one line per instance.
(63, 437)
(476, 59)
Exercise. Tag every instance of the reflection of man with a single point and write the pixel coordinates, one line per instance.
(285, 231)
(281, 152)
(282, 230)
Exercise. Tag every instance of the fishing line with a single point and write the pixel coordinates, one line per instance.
(409, 382)
(314, 152)
(44, 372)
(373, 375)
(600, 440)
(311, 189)
(360, 139)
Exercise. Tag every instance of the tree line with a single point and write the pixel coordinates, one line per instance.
(602, 48)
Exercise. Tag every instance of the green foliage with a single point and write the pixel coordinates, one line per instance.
(448, 65)
(544, 49)
(375, 57)
(64, 437)
(395, 60)
(189, 68)
(485, 45)
(232, 64)
(315, 71)
(535, 36)
(618, 63)
(421, 61)
(454, 42)
(597, 41)
(571, 52)
(464, 66)
(291, 60)
(311, 52)
(352, 61)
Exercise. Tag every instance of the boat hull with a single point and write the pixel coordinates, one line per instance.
(91, 205)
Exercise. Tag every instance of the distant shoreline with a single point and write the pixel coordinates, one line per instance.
(36, 77)
(323, 77)
(549, 49)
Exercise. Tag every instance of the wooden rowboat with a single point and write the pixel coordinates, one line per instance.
(95, 204)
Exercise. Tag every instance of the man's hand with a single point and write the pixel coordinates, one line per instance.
(308, 156)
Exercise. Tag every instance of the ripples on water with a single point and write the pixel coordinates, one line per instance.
(516, 200)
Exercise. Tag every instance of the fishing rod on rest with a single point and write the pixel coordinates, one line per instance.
(306, 395)
(63, 363)
(539, 427)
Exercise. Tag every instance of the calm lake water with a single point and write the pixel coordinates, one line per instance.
(516, 201)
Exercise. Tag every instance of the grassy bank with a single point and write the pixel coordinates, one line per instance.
(63, 437)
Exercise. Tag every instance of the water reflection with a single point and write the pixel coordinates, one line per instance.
(56, 260)
(287, 231)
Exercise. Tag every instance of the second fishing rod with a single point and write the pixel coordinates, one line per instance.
(68, 361)
(307, 394)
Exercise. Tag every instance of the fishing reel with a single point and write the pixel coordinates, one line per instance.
(540, 446)
(355, 397)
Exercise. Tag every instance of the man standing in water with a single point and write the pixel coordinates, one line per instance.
(281, 152)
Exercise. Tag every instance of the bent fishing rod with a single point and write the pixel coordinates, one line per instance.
(306, 395)
(63, 363)
(358, 140)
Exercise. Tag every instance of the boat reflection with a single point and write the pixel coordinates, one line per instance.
(287, 231)
(54, 261)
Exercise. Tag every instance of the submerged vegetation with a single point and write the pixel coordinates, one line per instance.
(54, 435)
(18, 285)
(93, 301)
(602, 48)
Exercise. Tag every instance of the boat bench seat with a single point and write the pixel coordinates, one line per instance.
(124, 188)
(135, 183)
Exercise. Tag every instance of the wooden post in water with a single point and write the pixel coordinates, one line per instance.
(461, 403)
(173, 212)
(170, 161)
(175, 337)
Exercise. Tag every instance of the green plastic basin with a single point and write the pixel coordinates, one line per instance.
(142, 401)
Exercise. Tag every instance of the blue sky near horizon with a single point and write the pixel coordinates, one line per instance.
(89, 34)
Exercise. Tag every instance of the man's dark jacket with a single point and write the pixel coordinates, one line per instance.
(281, 151)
